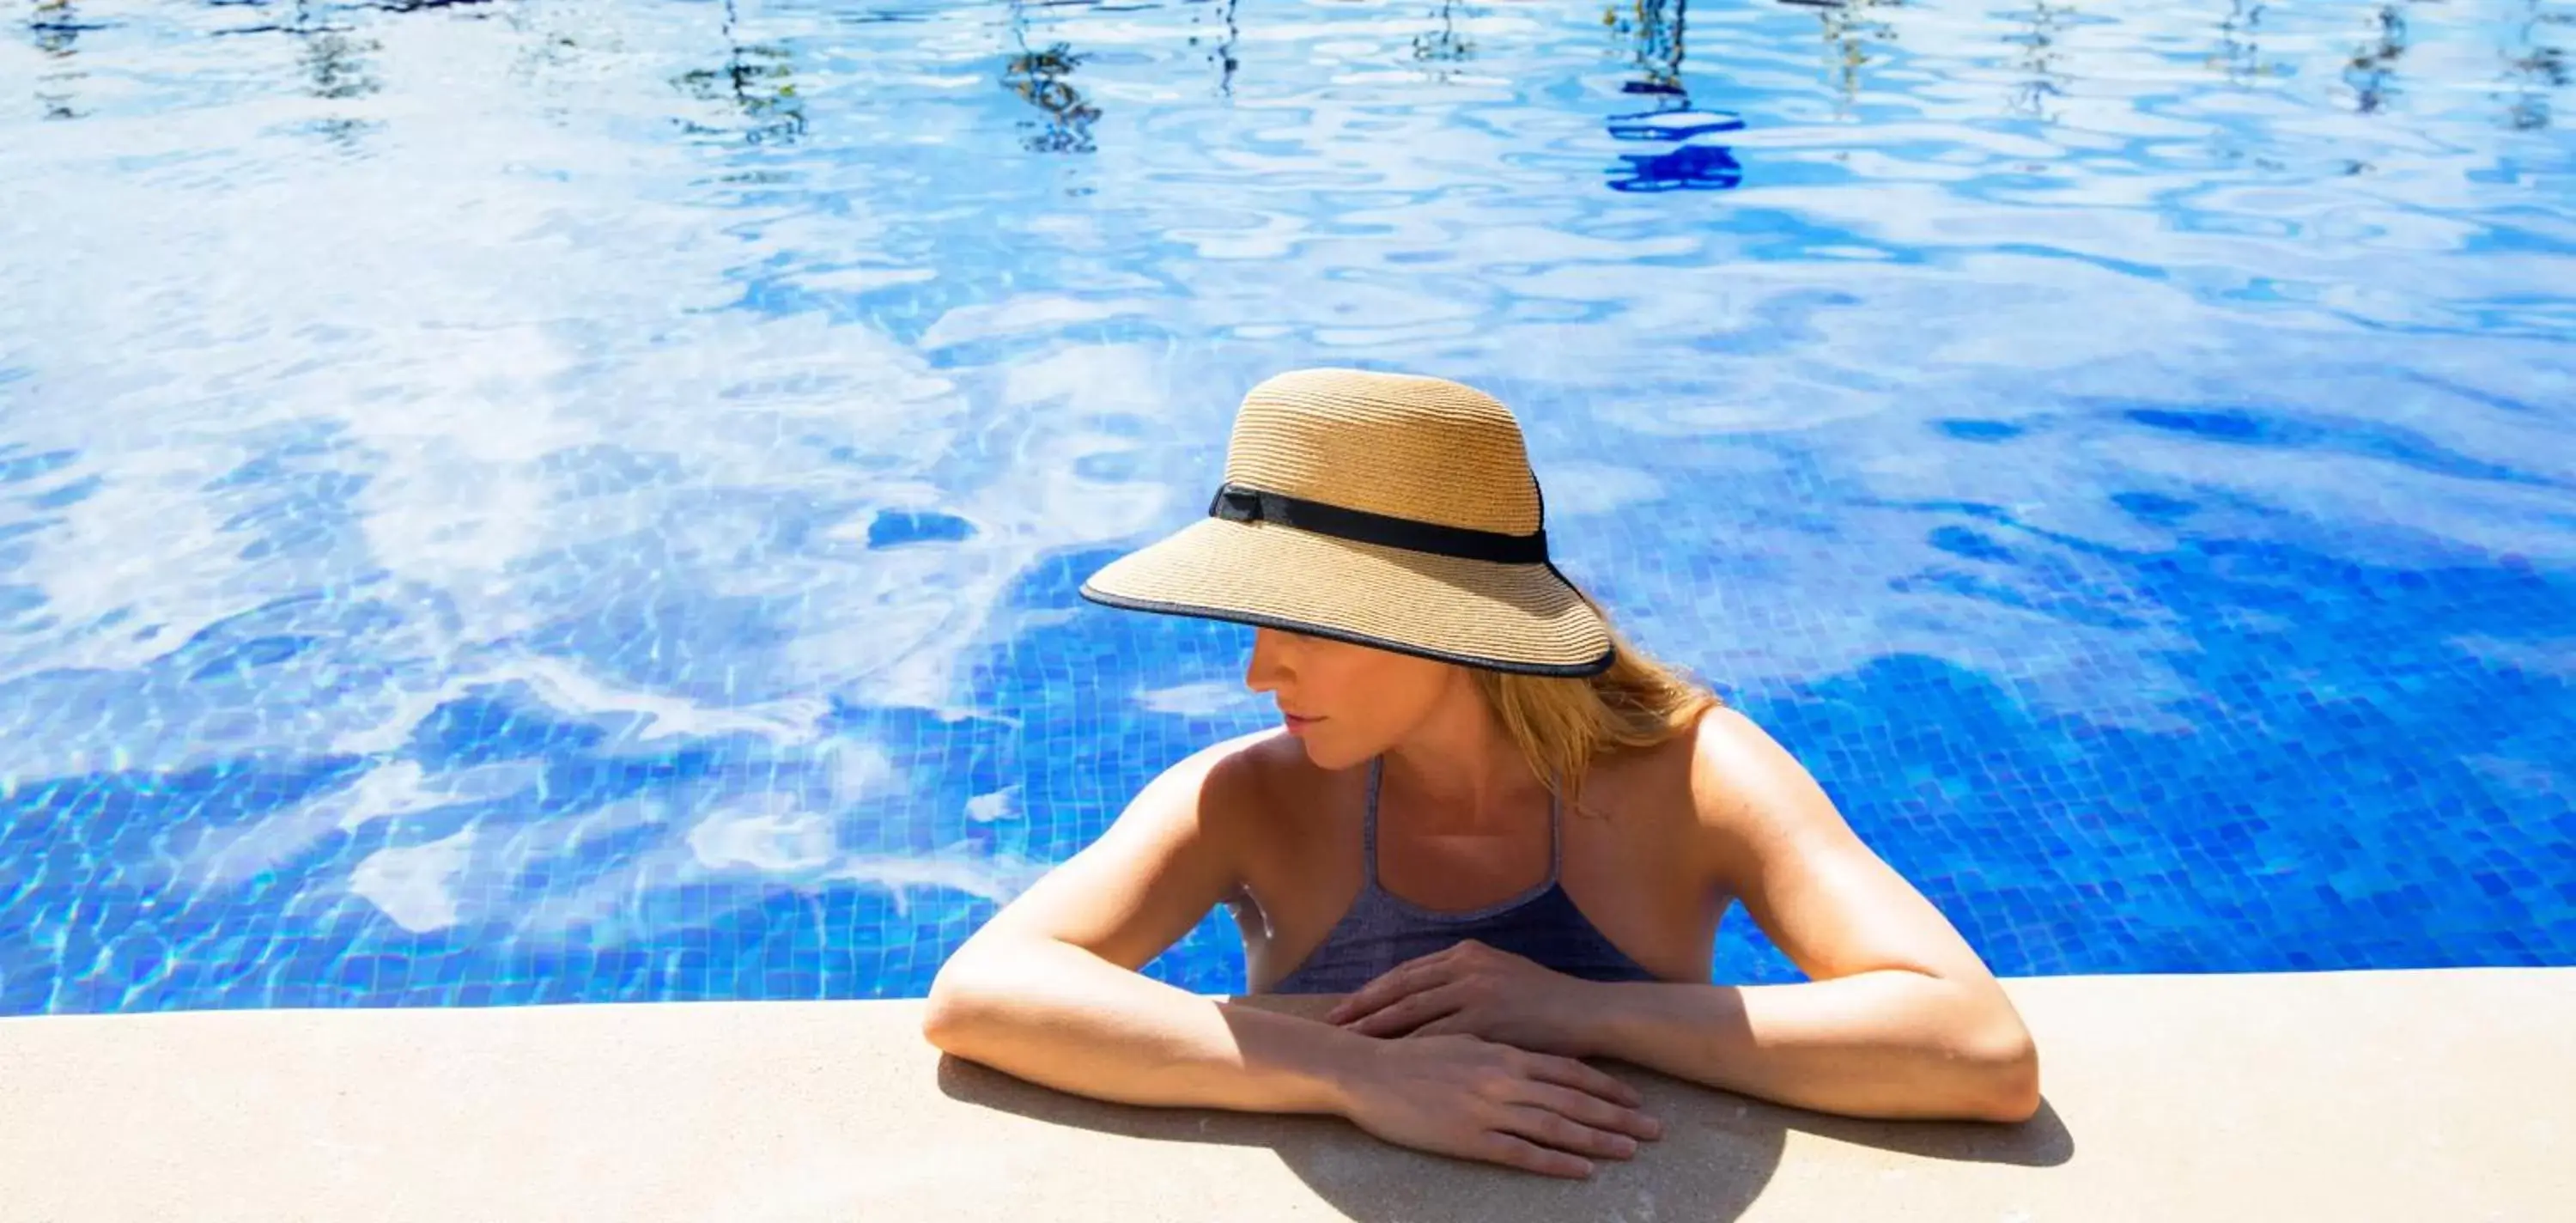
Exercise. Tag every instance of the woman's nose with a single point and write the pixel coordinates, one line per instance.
(1267, 668)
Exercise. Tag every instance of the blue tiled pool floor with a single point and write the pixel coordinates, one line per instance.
(518, 502)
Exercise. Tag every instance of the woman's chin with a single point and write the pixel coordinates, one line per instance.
(1328, 756)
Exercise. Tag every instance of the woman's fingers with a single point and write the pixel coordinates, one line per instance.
(1412, 976)
(1467, 1096)
(1408, 1013)
(1594, 1111)
(1446, 1025)
(1567, 1072)
(1514, 1152)
(1550, 1128)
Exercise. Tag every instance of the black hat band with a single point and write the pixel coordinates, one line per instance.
(1236, 503)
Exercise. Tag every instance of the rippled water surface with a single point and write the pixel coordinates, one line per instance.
(550, 499)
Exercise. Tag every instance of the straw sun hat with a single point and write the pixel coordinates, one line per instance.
(1387, 510)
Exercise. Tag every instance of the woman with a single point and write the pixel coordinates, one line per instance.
(1504, 835)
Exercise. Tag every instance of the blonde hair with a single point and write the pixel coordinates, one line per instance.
(1563, 725)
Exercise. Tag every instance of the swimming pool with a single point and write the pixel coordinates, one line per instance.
(547, 500)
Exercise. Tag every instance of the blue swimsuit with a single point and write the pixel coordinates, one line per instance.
(1382, 930)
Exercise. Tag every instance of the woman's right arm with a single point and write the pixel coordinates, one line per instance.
(1048, 990)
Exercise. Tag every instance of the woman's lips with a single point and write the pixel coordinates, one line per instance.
(1297, 725)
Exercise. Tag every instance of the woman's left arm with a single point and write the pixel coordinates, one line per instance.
(1899, 1017)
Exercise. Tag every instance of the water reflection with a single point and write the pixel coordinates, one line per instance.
(1852, 30)
(2535, 66)
(2372, 71)
(55, 30)
(1443, 45)
(756, 81)
(333, 61)
(1223, 54)
(2240, 45)
(1041, 77)
(57, 27)
(336, 69)
(2040, 61)
(1654, 33)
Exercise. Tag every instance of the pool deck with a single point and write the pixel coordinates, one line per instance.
(2347, 1096)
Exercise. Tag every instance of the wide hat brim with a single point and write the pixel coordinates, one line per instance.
(1523, 618)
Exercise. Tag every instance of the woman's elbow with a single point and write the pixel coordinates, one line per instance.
(2004, 1084)
(960, 1005)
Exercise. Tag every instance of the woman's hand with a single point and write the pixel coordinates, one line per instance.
(1475, 989)
(1474, 1099)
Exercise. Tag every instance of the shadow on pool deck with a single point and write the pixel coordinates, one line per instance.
(1718, 1153)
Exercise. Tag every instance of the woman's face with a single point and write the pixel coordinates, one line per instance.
(1347, 703)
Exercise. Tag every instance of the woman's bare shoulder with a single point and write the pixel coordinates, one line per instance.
(1733, 757)
(1237, 786)
(1750, 793)
(1715, 772)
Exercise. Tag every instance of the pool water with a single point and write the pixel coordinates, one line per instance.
(552, 500)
